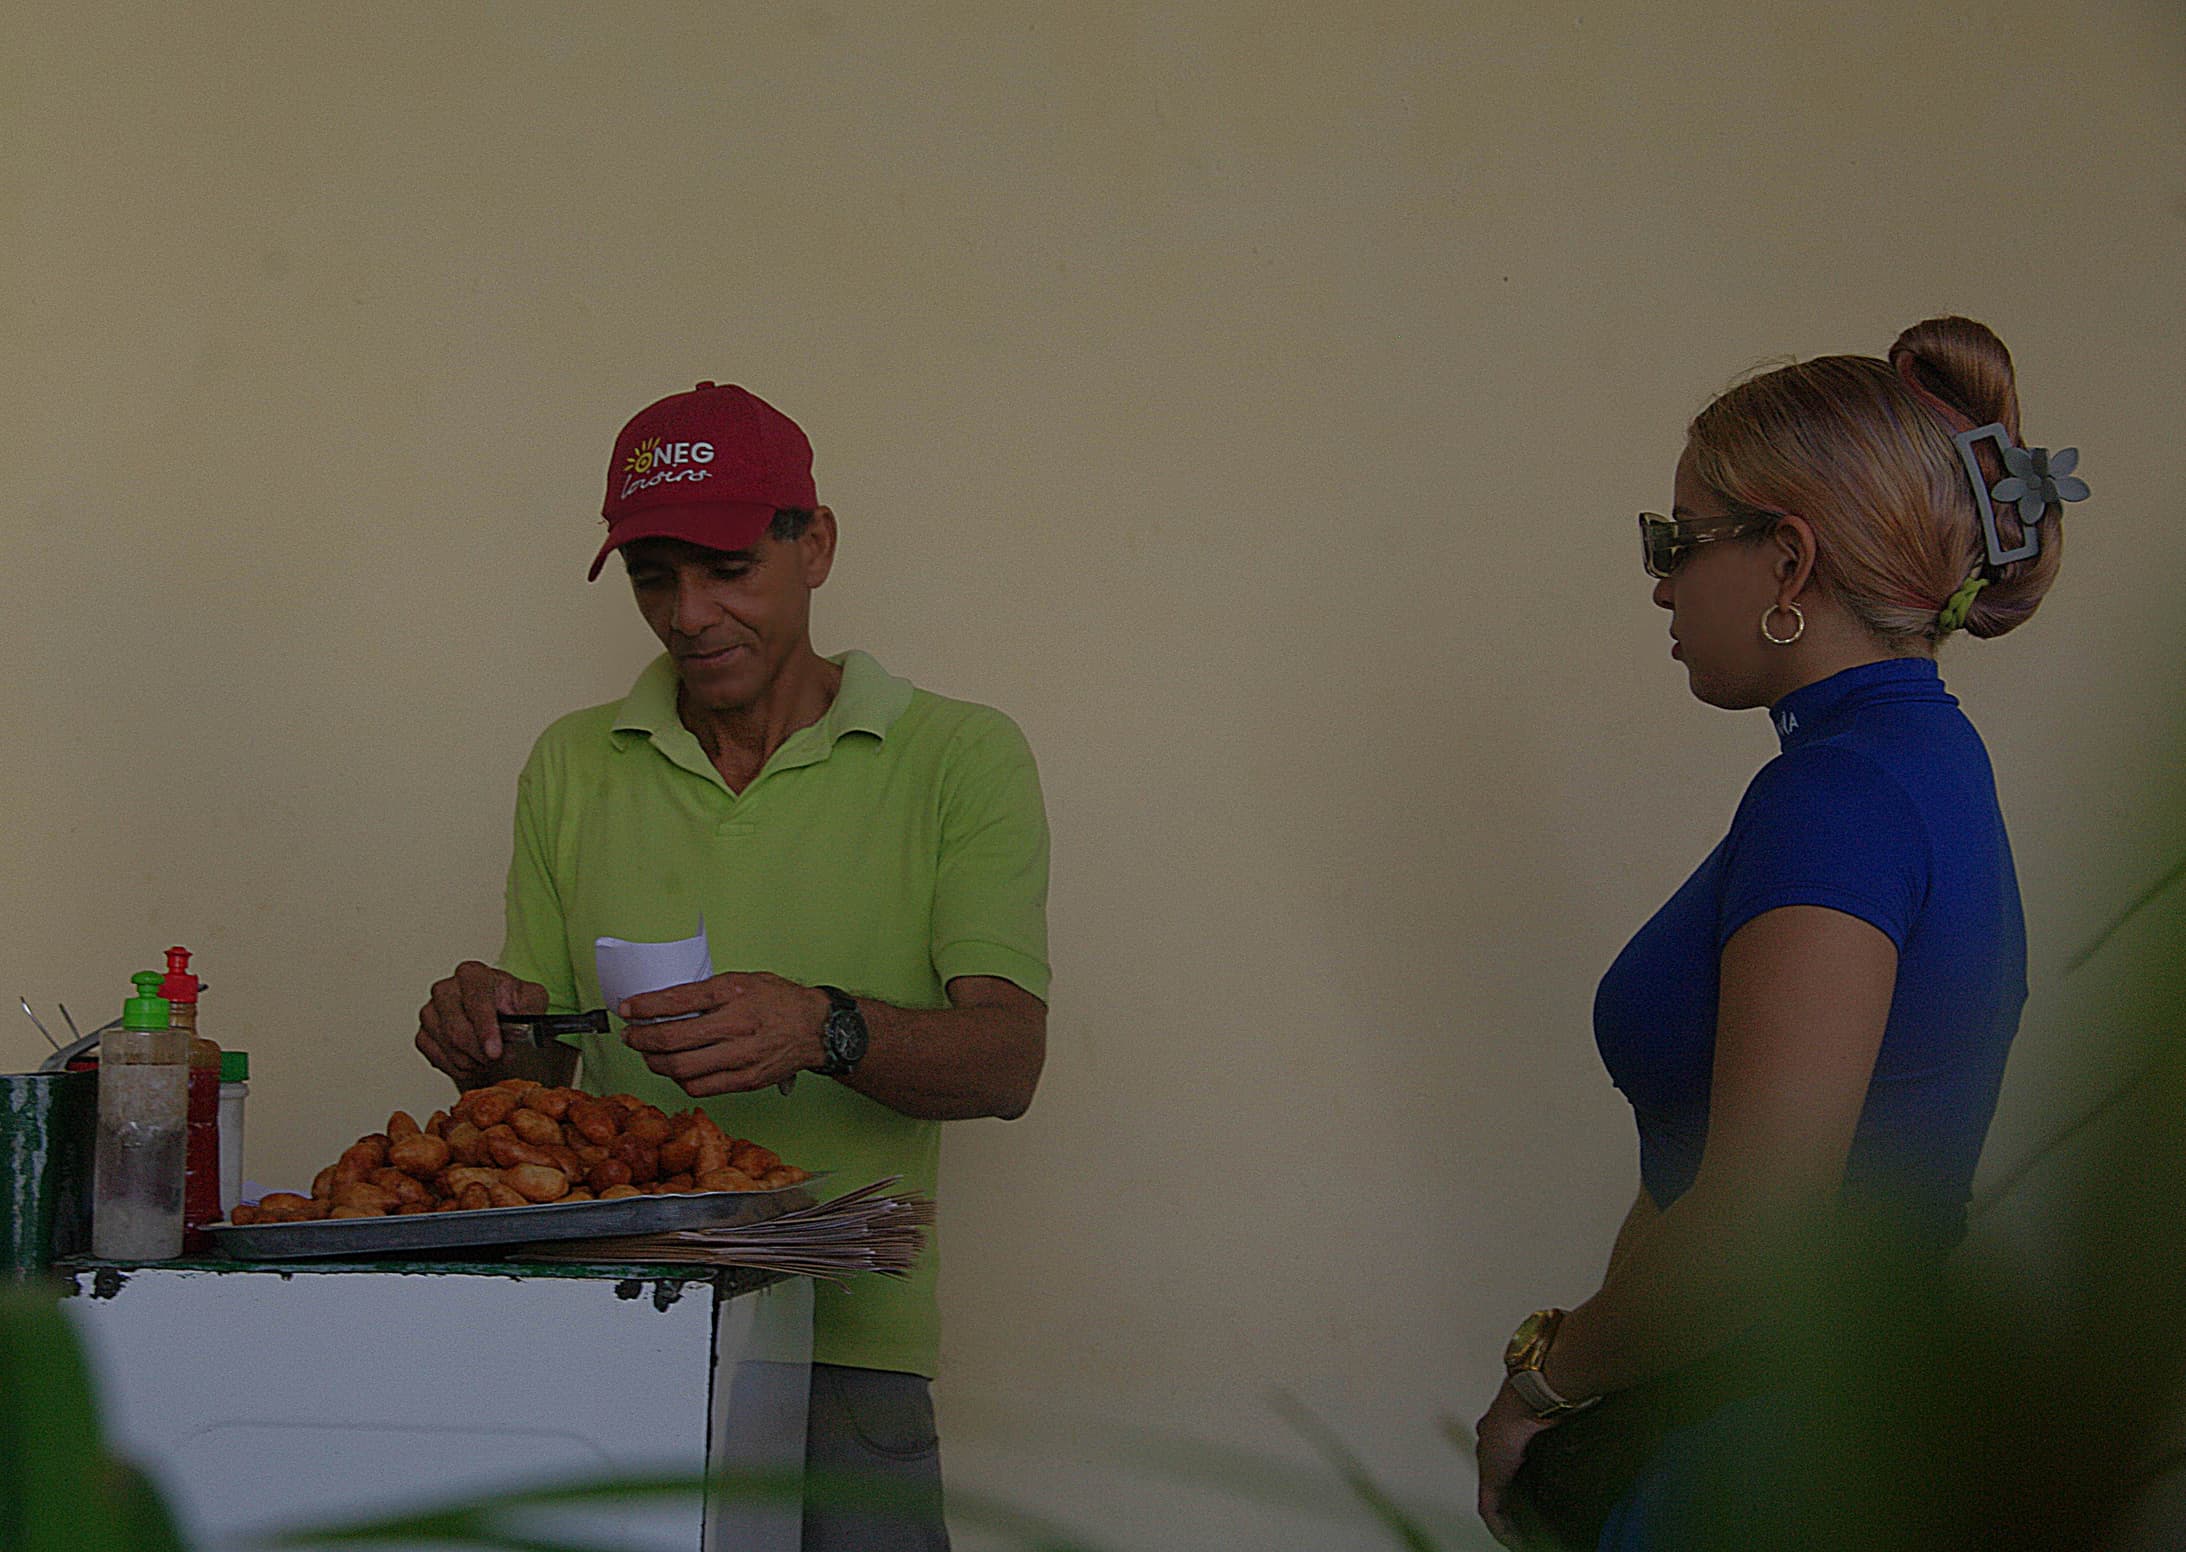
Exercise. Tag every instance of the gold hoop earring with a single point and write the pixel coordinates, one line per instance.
(1798, 629)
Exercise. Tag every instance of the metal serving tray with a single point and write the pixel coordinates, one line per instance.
(508, 1225)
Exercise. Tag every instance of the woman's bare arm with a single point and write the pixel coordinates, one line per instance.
(1642, 1216)
(1805, 994)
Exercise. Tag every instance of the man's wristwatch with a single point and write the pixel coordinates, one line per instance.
(1522, 1359)
(844, 1033)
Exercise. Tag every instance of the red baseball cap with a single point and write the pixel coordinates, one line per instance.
(711, 466)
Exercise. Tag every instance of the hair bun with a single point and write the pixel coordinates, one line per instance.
(1963, 364)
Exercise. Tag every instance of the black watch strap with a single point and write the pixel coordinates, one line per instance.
(844, 1033)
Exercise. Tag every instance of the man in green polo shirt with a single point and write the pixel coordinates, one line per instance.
(869, 859)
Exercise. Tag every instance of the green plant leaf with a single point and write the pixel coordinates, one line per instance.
(2124, 918)
(498, 1521)
(59, 1489)
(1370, 1493)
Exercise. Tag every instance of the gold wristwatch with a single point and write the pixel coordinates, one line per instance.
(1522, 1359)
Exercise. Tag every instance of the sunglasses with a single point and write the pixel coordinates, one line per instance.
(1664, 540)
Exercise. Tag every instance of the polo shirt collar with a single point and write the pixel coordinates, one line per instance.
(869, 700)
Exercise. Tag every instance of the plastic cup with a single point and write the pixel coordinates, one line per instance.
(48, 1124)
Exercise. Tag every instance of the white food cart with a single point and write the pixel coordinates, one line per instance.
(267, 1397)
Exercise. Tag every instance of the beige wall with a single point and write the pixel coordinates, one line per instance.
(1250, 398)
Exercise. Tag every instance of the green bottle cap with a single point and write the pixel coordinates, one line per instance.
(147, 1010)
(235, 1066)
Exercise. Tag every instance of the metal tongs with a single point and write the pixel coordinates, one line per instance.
(549, 1026)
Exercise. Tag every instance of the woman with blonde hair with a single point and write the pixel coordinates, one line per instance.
(1818, 1017)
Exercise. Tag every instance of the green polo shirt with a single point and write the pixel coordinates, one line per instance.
(897, 843)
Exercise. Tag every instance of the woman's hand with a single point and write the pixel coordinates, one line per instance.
(1503, 1432)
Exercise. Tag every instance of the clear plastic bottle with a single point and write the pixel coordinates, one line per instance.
(144, 1108)
(201, 1153)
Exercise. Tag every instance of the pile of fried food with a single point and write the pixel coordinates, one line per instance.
(517, 1144)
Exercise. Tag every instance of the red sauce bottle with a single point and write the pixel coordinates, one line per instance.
(201, 1158)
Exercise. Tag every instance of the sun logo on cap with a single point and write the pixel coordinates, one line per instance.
(642, 456)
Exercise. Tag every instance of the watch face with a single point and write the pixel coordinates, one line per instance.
(846, 1037)
(1528, 1332)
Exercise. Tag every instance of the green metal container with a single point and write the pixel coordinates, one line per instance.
(48, 1125)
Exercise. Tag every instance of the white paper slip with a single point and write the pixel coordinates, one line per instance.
(630, 969)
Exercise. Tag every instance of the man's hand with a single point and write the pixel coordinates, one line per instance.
(458, 1030)
(731, 1034)
(1504, 1432)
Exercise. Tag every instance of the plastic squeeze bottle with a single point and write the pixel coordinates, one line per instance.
(136, 1202)
(234, 1089)
(201, 1167)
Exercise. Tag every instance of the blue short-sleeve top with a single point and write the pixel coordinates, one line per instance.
(1881, 804)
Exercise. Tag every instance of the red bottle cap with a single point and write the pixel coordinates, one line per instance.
(178, 985)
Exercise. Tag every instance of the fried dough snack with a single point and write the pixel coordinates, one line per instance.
(516, 1144)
